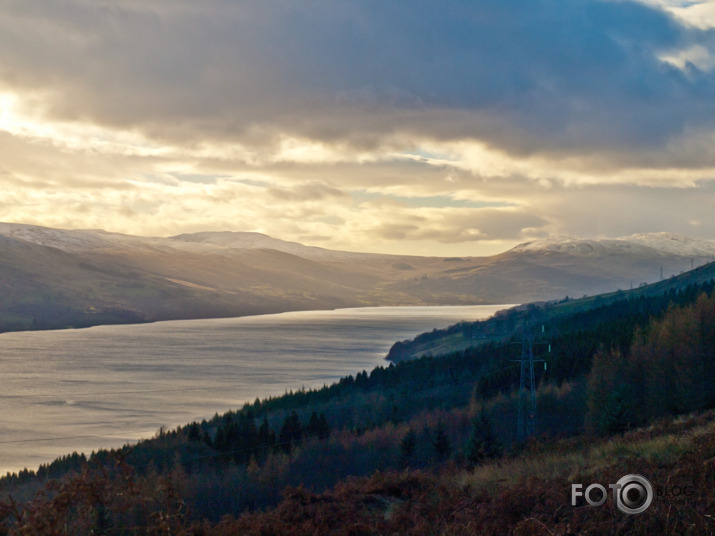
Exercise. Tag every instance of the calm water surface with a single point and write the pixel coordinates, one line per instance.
(80, 390)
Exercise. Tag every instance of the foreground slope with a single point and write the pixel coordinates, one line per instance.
(524, 494)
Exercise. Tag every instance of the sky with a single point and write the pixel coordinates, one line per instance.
(415, 127)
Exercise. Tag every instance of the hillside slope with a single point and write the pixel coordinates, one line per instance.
(524, 494)
(60, 278)
(470, 334)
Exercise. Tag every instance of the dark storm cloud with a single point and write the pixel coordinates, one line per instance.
(536, 76)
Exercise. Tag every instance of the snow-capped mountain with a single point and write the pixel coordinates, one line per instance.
(66, 240)
(85, 240)
(80, 240)
(675, 244)
(638, 244)
(55, 278)
(97, 240)
(249, 240)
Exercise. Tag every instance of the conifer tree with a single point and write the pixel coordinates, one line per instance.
(440, 441)
(482, 443)
(323, 427)
(407, 447)
(291, 432)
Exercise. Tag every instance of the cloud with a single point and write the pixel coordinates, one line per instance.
(496, 119)
(450, 225)
(307, 192)
(606, 210)
(526, 77)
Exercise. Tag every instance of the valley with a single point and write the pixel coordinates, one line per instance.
(53, 278)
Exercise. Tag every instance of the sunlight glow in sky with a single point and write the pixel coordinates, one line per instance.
(451, 129)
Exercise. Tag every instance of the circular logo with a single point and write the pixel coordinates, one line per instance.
(633, 494)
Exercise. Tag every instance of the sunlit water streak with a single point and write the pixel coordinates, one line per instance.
(80, 390)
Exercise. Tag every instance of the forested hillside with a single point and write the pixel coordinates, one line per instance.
(619, 364)
(635, 303)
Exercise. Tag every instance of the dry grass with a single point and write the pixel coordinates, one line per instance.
(524, 495)
(575, 460)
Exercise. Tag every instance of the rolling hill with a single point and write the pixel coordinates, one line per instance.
(503, 325)
(54, 278)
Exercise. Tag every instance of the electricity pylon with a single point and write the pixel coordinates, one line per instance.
(526, 424)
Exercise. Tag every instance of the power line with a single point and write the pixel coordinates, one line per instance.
(62, 438)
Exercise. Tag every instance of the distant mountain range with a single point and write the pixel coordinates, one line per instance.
(52, 278)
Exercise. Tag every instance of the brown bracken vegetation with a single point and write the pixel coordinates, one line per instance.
(677, 457)
(518, 495)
